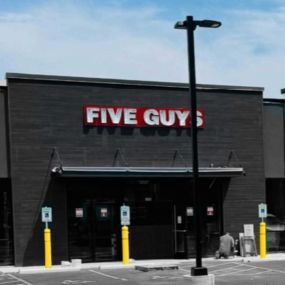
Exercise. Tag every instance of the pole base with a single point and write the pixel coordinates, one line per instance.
(199, 271)
(201, 280)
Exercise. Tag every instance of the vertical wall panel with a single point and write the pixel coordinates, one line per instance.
(274, 140)
(3, 135)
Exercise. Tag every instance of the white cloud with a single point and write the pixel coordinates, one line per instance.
(107, 42)
(113, 42)
(249, 52)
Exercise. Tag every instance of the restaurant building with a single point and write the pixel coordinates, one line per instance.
(87, 146)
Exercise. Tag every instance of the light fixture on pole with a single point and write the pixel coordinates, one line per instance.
(190, 25)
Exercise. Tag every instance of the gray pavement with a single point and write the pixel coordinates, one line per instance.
(232, 271)
(133, 263)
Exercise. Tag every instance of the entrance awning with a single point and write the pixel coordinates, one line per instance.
(144, 172)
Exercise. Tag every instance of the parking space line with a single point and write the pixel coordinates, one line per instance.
(110, 276)
(228, 268)
(19, 279)
(274, 270)
(182, 269)
(234, 273)
(6, 282)
(220, 264)
(257, 273)
(236, 269)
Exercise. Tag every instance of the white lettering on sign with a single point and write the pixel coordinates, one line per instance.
(130, 116)
(182, 116)
(140, 117)
(151, 117)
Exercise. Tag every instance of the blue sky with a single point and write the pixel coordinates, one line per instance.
(135, 39)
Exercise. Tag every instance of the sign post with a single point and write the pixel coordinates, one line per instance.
(262, 213)
(125, 221)
(47, 218)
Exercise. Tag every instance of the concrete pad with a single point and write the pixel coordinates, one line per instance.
(202, 280)
(146, 268)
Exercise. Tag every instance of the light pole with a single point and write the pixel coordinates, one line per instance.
(190, 25)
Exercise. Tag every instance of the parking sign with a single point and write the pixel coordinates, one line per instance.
(46, 215)
(262, 210)
(125, 215)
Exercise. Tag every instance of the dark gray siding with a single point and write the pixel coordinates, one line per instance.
(48, 114)
(3, 135)
(274, 140)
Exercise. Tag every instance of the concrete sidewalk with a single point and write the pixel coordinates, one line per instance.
(68, 266)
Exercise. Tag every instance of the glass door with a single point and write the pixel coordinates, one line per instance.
(92, 230)
(80, 230)
(183, 231)
(105, 235)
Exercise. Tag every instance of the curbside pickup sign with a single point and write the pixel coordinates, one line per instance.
(46, 215)
(262, 210)
(125, 215)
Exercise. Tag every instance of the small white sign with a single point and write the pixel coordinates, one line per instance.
(210, 211)
(79, 212)
(189, 211)
(262, 210)
(179, 220)
(248, 230)
(46, 215)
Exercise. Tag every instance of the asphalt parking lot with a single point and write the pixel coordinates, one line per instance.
(226, 272)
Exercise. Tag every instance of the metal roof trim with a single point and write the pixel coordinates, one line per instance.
(82, 171)
(129, 82)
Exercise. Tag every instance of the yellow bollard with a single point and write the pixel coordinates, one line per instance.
(47, 238)
(262, 240)
(125, 244)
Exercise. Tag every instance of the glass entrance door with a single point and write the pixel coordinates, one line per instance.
(93, 230)
(105, 232)
(183, 231)
(211, 225)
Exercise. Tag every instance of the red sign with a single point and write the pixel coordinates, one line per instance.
(140, 117)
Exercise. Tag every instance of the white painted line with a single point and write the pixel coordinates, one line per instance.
(6, 282)
(228, 268)
(220, 264)
(265, 271)
(110, 276)
(187, 270)
(19, 279)
(264, 268)
(233, 273)
(76, 282)
(257, 273)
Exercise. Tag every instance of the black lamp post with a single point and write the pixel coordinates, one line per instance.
(190, 25)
